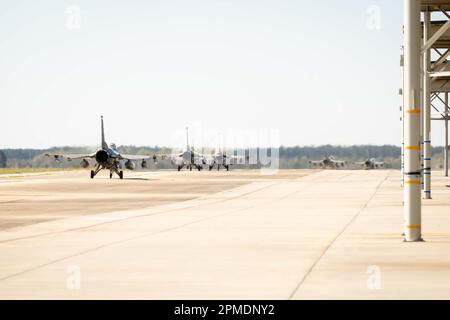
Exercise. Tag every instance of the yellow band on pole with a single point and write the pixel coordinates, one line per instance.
(414, 226)
(413, 182)
(413, 111)
(417, 148)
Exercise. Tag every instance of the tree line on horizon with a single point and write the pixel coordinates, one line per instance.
(290, 157)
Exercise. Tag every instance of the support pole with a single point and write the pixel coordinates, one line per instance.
(427, 111)
(446, 136)
(402, 117)
(412, 178)
(421, 103)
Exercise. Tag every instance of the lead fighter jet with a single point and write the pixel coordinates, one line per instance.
(106, 158)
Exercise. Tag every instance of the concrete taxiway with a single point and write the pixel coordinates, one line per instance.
(217, 235)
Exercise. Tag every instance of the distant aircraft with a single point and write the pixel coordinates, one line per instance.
(222, 159)
(106, 158)
(189, 158)
(371, 164)
(328, 162)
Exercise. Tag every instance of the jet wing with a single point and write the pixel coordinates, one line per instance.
(70, 157)
(209, 159)
(199, 155)
(234, 157)
(237, 159)
(168, 156)
(316, 162)
(136, 157)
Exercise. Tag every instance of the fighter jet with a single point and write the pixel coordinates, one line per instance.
(189, 158)
(108, 158)
(329, 162)
(221, 159)
(371, 164)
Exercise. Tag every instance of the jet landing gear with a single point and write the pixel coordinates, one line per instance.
(226, 166)
(98, 168)
(94, 172)
(119, 173)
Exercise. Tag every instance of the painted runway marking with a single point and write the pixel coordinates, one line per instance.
(105, 218)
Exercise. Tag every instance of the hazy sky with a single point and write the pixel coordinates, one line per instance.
(316, 72)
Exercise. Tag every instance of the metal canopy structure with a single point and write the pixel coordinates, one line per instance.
(443, 40)
(426, 80)
(434, 5)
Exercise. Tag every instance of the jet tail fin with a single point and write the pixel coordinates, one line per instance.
(104, 144)
(187, 139)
